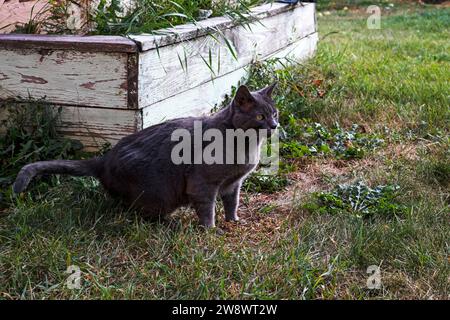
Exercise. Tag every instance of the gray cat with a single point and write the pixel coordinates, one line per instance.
(139, 167)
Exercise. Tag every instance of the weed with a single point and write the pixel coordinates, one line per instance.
(360, 200)
(148, 16)
(30, 136)
(259, 183)
(311, 139)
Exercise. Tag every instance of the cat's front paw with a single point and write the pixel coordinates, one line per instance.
(207, 223)
(233, 218)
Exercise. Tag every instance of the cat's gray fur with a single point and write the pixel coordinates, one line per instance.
(139, 168)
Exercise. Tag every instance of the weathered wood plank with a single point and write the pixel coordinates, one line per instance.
(189, 31)
(96, 126)
(201, 99)
(176, 68)
(299, 50)
(67, 42)
(65, 77)
(91, 126)
(194, 102)
(133, 80)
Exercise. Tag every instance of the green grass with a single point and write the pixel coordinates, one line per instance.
(393, 82)
(397, 74)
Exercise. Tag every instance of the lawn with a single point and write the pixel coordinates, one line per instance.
(347, 198)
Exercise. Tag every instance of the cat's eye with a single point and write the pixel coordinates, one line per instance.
(259, 117)
(275, 114)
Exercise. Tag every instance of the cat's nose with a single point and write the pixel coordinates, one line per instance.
(273, 124)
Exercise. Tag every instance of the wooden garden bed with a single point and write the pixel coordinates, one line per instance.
(111, 86)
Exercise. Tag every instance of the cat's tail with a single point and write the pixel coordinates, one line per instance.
(89, 167)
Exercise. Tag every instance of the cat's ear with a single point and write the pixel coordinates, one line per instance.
(268, 90)
(243, 99)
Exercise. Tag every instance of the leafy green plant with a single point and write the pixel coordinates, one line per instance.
(304, 138)
(148, 16)
(30, 136)
(359, 199)
(50, 18)
(259, 183)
